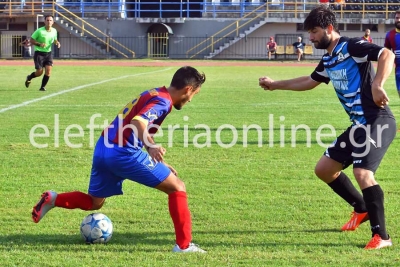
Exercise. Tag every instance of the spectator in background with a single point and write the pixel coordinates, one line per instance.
(324, 2)
(339, 4)
(27, 47)
(392, 42)
(367, 36)
(271, 47)
(299, 48)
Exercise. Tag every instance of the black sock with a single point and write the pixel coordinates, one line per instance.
(31, 76)
(373, 197)
(45, 80)
(346, 190)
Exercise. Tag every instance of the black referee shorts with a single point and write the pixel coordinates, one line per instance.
(42, 59)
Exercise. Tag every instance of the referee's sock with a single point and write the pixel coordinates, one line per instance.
(31, 76)
(45, 80)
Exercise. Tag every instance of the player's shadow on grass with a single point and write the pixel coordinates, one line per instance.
(160, 241)
(13, 90)
(57, 242)
(326, 230)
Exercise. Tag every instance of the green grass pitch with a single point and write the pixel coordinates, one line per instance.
(254, 198)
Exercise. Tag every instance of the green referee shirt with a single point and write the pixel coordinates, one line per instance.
(41, 35)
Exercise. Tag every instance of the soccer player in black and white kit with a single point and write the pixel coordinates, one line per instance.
(347, 64)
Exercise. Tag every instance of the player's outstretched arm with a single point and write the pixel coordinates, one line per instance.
(297, 84)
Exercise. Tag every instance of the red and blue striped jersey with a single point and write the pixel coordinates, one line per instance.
(150, 107)
(392, 41)
(369, 39)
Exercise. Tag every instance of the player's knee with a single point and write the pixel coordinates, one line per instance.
(318, 171)
(97, 203)
(172, 185)
(178, 185)
(97, 206)
(364, 176)
(321, 172)
(181, 186)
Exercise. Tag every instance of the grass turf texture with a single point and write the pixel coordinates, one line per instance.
(254, 205)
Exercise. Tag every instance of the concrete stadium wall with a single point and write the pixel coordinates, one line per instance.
(203, 28)
(189, 33)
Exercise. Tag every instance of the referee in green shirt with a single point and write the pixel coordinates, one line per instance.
(42, 40)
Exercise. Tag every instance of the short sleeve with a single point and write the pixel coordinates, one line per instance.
(320, 74)
(363, 49)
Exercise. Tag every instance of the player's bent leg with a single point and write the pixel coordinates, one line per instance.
(97, 202)
(180, 213)
(360, 214)
(365, 178)
(75, 200)
(27, 81)
(355, 221)
(47, 70)
(171, 184)
(38, 72)
(68, 200)
(46, 203)
(327, 169)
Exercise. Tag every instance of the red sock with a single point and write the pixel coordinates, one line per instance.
(74, 200)
(180, 214)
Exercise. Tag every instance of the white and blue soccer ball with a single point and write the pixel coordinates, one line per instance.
(96, 228)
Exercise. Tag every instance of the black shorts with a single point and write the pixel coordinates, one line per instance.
(364, 146)
(42, 59)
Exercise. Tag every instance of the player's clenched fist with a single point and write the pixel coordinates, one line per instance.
(265, 83)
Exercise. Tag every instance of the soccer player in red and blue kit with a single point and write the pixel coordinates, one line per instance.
(119, 155)
(392, 41)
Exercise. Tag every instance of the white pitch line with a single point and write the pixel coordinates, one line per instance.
(23, 104)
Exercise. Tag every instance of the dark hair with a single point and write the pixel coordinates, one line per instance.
(321, 16)
(187, 76)
(397, 11)
(48, 16)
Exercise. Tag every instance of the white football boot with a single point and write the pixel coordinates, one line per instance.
(192, 248)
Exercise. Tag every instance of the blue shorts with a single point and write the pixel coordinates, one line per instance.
(397, 75)
(111, 166)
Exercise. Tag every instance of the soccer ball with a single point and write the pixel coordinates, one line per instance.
(96, 228)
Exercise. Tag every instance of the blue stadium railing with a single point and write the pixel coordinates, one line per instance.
(223, 8)
(188, 9)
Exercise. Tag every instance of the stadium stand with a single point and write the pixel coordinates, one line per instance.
(308, 50)
(280, 50)
(289, 50)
